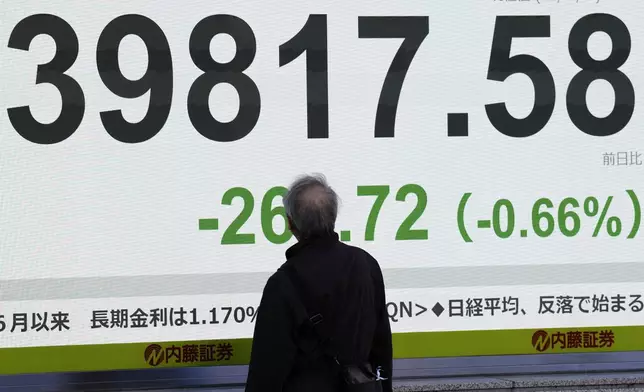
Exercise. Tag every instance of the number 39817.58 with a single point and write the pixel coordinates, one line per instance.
(312, 40)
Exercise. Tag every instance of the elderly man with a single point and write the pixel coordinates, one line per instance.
(322, 323)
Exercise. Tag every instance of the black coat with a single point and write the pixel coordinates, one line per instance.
(352, 281)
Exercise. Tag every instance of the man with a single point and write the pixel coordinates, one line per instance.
(344, 278)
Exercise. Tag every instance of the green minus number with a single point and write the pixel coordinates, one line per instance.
(209, 224)
(484, 224)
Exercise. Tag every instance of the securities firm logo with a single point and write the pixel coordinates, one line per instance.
(572, 340)
(541, 340)
(156, 354)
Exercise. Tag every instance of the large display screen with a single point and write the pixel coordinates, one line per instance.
(489, 154)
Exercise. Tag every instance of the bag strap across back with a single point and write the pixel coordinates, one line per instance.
(315, 311)
(359, 378)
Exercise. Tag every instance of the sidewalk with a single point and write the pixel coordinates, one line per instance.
(595, 382)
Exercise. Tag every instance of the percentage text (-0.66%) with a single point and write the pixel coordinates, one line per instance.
(546, 217)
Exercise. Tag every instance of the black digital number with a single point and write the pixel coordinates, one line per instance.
(502, 66)
(607, 70)
(71, 93)
(231, 73)
(157, 78)
(413, 30)
(312, 39)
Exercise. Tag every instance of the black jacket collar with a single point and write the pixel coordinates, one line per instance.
(315, 240)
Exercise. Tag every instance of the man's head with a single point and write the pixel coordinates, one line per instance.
(311, 206)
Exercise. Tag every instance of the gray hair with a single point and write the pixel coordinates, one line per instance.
(312, 205)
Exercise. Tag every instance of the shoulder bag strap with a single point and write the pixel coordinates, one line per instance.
(320, 325)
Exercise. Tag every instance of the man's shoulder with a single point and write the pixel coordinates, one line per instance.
(280, 279)
(275, 282)
(354, 250)
(361, 253)
(369, 261)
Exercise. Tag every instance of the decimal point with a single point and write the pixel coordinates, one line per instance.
(345, 235)
(524, 233)
(458, 124)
